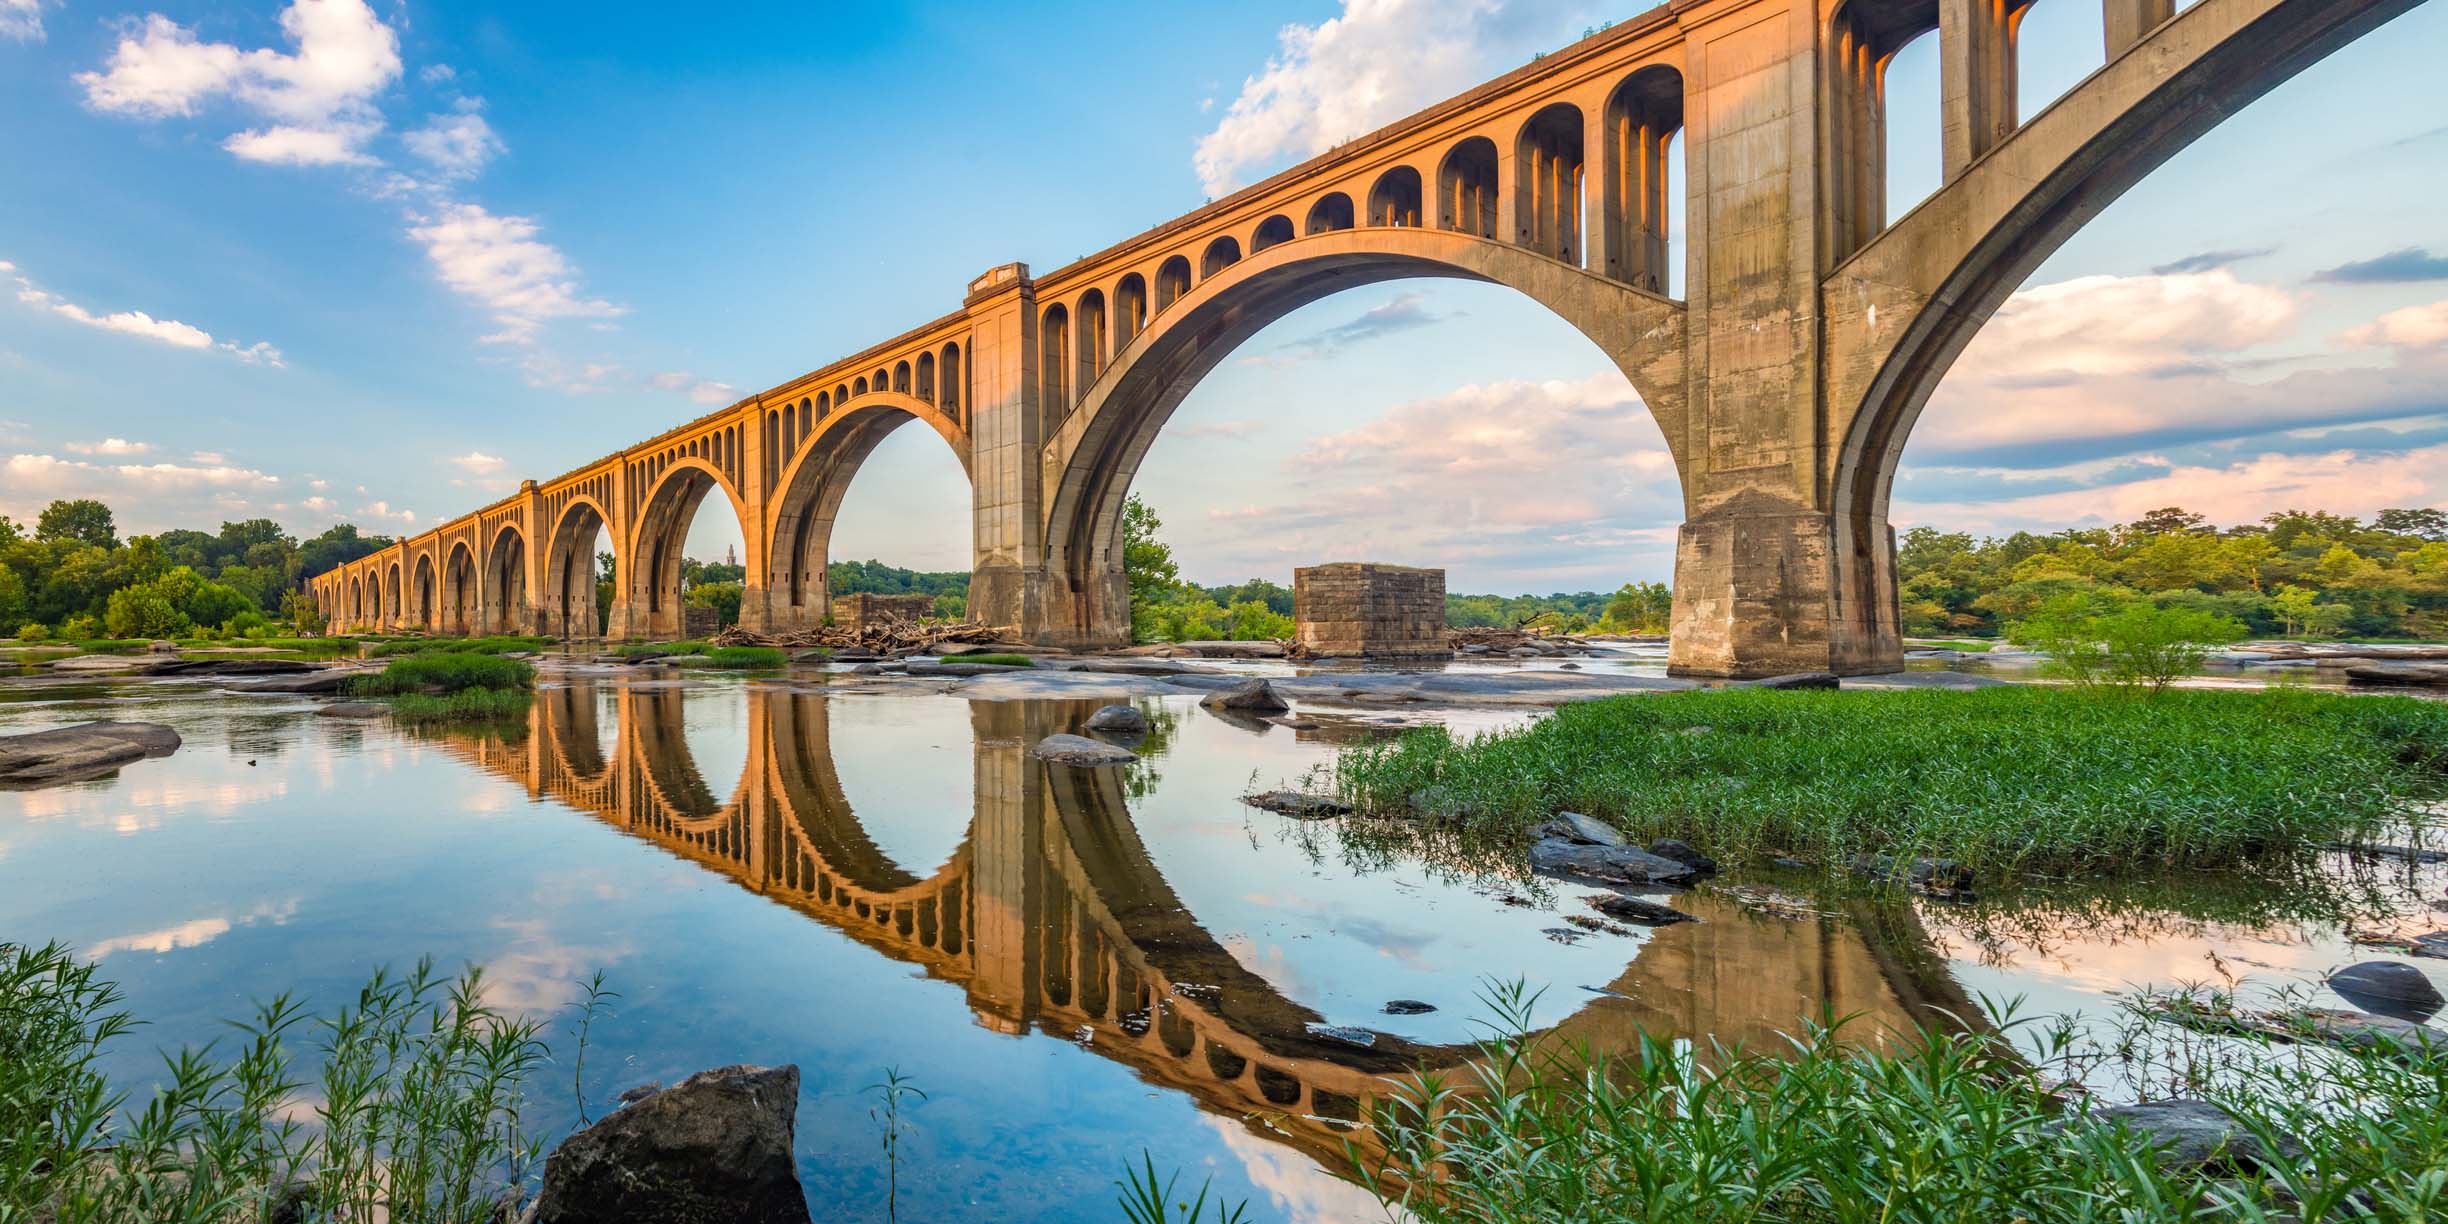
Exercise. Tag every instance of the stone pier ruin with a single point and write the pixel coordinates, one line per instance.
(1351, 610)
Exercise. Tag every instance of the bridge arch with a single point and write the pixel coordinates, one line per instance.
(1091, 460)
(1914, 296)
(506, 598)
(461, 589)
(570, 565)
(648, 571)
(391, 607)
(424, 594)
(807, 499)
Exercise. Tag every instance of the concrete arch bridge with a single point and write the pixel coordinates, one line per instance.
(1812, 329)
(1052, 917)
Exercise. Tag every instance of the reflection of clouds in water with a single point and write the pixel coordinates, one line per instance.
(1269, 963)
(537, 972)
(2107, 968)
(1301, 1192)
(194, 933)
(1407, 948)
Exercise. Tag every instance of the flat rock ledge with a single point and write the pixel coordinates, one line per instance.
(74, 754)
(714, 1147)
(1081, 751)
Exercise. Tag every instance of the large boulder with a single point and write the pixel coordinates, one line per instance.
(2416, 674)
(88, 750)
(1585, 830)
(2389, 988)
(1117, 720)
(1082, 751)
(321, 682)
(714, 1148)
(1556, 856)
(1247, 697)
(354, 709)
(2189, 1134)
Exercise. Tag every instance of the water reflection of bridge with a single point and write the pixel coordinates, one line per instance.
(1051, 914)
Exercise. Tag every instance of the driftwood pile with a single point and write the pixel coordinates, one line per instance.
(887, 638)
(1497, 639)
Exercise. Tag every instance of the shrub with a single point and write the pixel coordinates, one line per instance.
(1006, 660)
(445, 671)
(143, 612)
(465, 705)
(249, 623)
(2135, 646)
(499, 644)
(32, 631)
(80, 628)
(2015, 778)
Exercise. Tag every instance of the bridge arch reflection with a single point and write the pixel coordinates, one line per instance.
(1052, 915)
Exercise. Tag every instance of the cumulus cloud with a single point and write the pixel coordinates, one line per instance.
(2412, 327)
(706, 391)
(138, 323)
(479, 462)
(21, 20)
(2398, 267)
(456, 145)
(500, 262)
(1569, 478)
(2343, 482)
(318, 97)
(381, 510)
(1377, 61)
(111, 446)
(167, 493)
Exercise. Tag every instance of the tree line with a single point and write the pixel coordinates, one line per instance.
(69, 575)
(2293, 573)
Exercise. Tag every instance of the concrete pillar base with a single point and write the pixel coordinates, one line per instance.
(1754, 587)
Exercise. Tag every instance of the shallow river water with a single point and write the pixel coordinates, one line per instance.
(1075, 966)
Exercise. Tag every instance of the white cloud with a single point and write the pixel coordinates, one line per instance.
(318, 97)
(499, 262)
(1218, 429)
(381, 510)
(165, 493)
(2412, 327)
(320, 505)
(138, 323)
(707, 391)
(2351, 482)
(1380, 60)
(21, 20)
(209, 458)
(109, 446)
(479, 462)
(456, 145)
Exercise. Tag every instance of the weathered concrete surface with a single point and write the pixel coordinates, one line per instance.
(87, 750)
(1813, 328)
(1349, 610)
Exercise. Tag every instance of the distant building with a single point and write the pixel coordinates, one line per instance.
(731, 555)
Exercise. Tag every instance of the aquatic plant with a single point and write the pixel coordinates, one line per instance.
(892, 1095)
(445, 671)
(1934, 1127)
(500, 644)
(1146, 1201)
(744, 658)
(999, 660)
(414, 1115)
(473, 705)
(651, 650)
(2011, 779)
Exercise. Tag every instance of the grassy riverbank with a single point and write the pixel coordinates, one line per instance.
(447, 686)
(2018, 779)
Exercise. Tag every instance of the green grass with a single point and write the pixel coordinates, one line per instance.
(1966, 645)
(743, 658)
(2011, 779)
(1841, 1127)
(445, 672)
(472, 705)
(414, 1114)
(471, 645)
(649, 650)
(1000, 660)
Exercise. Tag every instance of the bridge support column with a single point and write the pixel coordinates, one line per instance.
(1976, 71)
(1761, 590)
(1007, 846)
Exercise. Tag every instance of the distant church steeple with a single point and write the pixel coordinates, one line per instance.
(731, 555)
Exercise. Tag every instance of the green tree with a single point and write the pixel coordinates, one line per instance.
(723, 597)
(84, 520)
(1639, 607)
(2422, 524)
(143, 612)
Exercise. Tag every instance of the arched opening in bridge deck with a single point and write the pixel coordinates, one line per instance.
(1643, 183)
(901, 378)
(1333, 211)
(1172, 281)
(1466, 188)
(1395, 200)
(1547, 160)
(1221, 254)
(926, 377)
(1277, 228)
(1130, 310)
(858, 386)
(1090, 342)
(954, 383)
(1054, 363)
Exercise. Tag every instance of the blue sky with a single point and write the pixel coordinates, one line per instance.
(331, 262)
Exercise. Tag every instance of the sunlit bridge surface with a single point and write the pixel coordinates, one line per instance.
(1075, 965)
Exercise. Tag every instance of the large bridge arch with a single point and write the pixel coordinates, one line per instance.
(1090, 460)
(807, 495)
(648, 570)
(1903, 308)
(507, 602)
(462, 589)
(567, 602)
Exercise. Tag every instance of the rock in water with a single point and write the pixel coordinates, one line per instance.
(354, 709)
(1798, 680)
(324, 681)
(1248, 697)
(2188, 1134)
(1408, 1007)
(1682, 852)
(1589, 830)
(1604, 864)
(717, 1146)
(1937, 877)
(1298, 804)
(1117, 720)
(1637, 909)
(87, 750)
(2389, 988)
(1082, 751)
